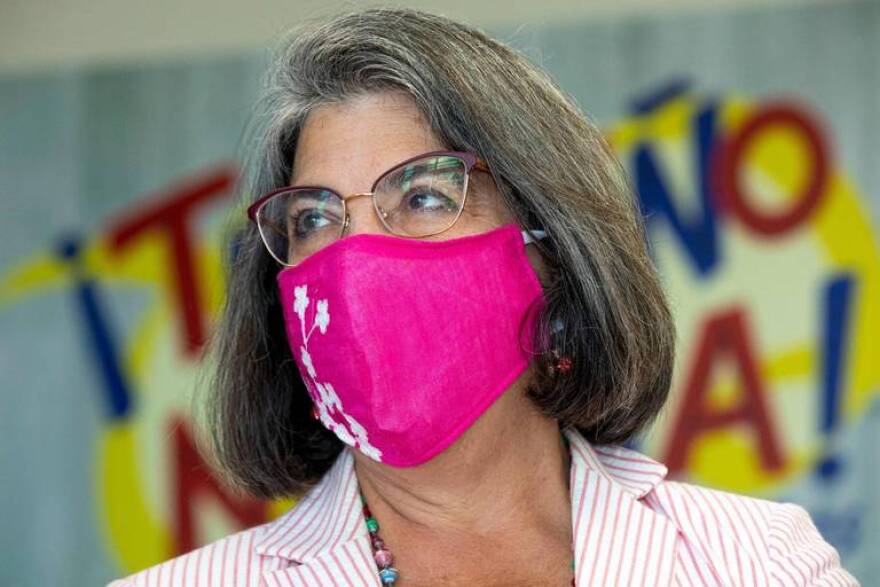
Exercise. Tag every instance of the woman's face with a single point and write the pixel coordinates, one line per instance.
(347, 146)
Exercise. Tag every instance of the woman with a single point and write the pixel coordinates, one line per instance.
(451, 256)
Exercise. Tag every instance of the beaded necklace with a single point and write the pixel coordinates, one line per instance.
(382, 555)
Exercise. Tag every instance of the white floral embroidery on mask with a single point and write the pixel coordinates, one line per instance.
(322, 318)
(307, 361)
(329, 406)
(300, 302)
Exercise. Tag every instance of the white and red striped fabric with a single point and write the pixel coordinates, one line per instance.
(631, 527)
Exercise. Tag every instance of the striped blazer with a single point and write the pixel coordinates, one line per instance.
(631, 527)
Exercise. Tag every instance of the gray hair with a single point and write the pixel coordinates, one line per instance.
(553, 169)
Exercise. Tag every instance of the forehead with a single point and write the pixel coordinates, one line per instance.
(347, 145)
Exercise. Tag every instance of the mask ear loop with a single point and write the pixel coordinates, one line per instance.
(532, 314)
(530, 326)
(562, 363)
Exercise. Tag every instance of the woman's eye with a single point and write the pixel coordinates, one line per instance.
(306, 222)
(430, 201)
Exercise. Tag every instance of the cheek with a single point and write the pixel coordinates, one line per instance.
(485, 209)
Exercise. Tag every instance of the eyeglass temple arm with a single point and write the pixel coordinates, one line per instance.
(534, 235)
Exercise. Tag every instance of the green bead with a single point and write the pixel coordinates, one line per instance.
(372, 525)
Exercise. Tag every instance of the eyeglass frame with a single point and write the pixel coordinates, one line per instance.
(471, 162)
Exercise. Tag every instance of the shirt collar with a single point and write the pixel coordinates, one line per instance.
(634, 472)
(325, 517)
(330, 514)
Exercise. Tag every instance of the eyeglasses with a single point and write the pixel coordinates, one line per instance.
(420, 197)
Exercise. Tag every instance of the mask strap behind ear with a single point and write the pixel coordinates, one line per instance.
(531, 236)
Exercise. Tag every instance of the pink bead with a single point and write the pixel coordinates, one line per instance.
(383, 558)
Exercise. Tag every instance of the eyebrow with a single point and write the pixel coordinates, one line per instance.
(453, 163)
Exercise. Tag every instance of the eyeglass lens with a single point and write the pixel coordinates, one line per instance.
(421, 198)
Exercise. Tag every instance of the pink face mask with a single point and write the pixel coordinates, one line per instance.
(404, 343)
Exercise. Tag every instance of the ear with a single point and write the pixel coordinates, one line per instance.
(538, 264)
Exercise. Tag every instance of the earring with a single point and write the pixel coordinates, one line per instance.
(562, 365)
(315, 415)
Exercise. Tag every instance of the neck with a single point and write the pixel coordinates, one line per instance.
(506, 476)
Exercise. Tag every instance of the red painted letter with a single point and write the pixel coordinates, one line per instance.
(728, 161)
(172, 212)
(192, 479)
(724, 334)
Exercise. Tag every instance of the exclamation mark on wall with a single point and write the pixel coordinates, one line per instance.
(836, 305)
